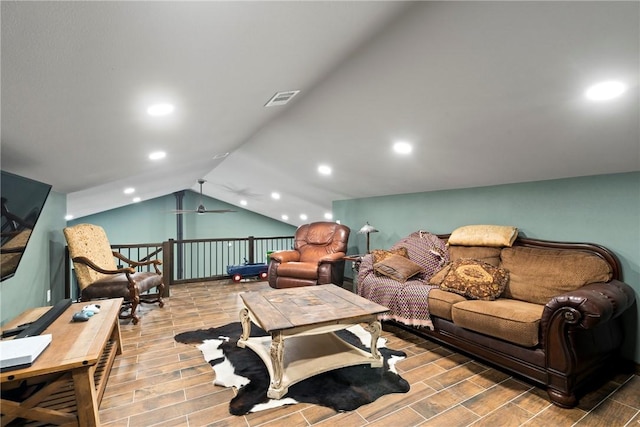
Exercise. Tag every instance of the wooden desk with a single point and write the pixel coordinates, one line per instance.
(307, 318)
(64, 386)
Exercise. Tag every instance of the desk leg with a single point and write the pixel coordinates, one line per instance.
(86, 397)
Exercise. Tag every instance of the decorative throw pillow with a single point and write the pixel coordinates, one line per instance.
(397, 267)
(475, 279)
(381, 254)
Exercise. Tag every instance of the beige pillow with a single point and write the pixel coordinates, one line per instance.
(475, 279)
(397, 267)
(484, 235)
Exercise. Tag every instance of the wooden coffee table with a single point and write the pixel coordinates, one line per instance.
(307, 318)
(68, 379)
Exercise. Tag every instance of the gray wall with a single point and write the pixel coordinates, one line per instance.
(598, 209)
(42, 265)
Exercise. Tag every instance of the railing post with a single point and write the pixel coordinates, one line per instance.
(167, 266)
(252, 250)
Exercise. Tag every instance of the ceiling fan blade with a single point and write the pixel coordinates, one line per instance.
(183, 211)
(218, 210)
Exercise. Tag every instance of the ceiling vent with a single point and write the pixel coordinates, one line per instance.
(281, 98)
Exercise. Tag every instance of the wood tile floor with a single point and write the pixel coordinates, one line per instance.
(159, 382)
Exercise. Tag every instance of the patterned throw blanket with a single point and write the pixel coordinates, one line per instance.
(406, 301)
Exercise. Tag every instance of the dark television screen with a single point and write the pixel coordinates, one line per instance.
(22, 201)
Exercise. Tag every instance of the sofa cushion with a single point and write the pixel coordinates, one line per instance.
(489, 255)
(475, 279)
(397, 267)
(537, 275)
(484, 235)
(441, 302)
(511, 320)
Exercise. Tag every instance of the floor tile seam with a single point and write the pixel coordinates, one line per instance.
(280, 418)
(451, 408)
(618, 389)
(485, 389)
(505, 404)
(156, 408)
(603, 400)
(355, 411)
(400, 408)
(636, 416)
(463, 380)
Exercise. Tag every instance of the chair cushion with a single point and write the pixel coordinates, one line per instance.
(318, 239)
(302, 270)
(511, 320)
(89, 241)
(117, 285)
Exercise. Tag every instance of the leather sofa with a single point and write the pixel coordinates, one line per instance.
(317, 257)
(556, 322)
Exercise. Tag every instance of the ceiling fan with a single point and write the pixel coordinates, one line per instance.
(201, 209)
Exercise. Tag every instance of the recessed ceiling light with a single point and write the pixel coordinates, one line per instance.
(136, 199)
(605, 91)
(328, 215)
(68, 217)
(324, 170)
(243, 202)
(303, 217)
(402, 147)
(129, 190)
(163, 109)
(275, 196)
(157, 155)
(285, 217)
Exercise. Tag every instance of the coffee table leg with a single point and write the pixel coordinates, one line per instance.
(276, 391)
(245, 320)
(375, 329)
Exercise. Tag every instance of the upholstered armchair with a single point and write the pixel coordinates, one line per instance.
(317, 257)
(99, 276)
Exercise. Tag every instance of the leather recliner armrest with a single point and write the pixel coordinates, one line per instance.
(285, 256)
(331, 258)
(590, 305)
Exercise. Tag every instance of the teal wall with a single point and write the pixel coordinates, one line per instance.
(42, 265)
(152, 221)
(601, 209)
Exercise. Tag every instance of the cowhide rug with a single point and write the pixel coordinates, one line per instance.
(343, 389)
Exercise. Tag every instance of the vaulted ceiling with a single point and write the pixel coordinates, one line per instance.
(485, 93)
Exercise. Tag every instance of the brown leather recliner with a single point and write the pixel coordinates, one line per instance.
(317, 257)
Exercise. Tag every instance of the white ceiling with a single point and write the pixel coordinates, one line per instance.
(488, 92)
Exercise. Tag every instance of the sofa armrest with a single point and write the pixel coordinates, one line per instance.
(590, 305)
(578, 328)
(285, 256)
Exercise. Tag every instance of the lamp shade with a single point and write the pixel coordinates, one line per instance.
(367, 228)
